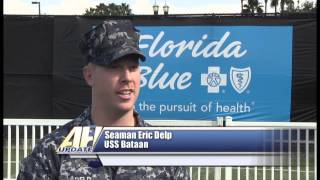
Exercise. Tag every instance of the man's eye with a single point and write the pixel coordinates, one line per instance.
(134, 67)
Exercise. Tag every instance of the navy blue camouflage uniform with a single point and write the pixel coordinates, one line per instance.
(102, 45)
(45, 163)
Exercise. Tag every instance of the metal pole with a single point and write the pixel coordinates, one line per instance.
(37, 2)
(39, 8)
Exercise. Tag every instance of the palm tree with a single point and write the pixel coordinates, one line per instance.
(283, 3)
(265, 6)
(308, 6)
(241, 6)
(274, 3)
(253, 6)
(290, 7)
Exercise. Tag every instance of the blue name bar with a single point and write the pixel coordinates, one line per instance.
(190, 140)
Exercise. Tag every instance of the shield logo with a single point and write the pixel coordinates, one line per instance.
(240, 78)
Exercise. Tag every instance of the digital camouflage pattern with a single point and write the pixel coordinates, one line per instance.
(111, 40)
(45, 163)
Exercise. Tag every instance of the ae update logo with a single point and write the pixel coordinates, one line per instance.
(80, 139)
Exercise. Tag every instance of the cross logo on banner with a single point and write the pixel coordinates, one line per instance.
(213, 79)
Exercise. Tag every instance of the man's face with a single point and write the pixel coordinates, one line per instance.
(116, 86)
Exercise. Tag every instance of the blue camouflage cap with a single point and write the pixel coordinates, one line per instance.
(111, 40)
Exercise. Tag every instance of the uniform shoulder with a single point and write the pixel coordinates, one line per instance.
(56, 137)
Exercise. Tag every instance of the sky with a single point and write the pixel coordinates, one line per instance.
(139, 7)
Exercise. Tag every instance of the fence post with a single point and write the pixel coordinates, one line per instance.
(17, 150)
(9, 153)
(219, 121)
(228, 121)
(217, 173)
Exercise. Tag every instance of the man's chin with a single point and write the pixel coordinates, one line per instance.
(125, 108)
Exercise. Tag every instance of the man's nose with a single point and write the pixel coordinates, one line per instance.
(125, 74)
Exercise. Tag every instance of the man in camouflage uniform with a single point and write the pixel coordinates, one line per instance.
(113, 73)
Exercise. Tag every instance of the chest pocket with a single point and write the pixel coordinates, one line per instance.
(81, 169)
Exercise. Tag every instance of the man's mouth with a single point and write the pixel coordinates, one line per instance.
(125, 93)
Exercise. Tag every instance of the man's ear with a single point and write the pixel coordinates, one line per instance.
(87, 72)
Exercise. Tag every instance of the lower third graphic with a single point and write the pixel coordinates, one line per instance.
(213, 79)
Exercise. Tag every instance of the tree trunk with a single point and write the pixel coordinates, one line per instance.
(265, 6)
(241, 6)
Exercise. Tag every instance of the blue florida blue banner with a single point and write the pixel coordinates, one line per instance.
(201, 72)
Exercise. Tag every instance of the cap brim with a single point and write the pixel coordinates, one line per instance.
(131, 52)
(107, 60)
